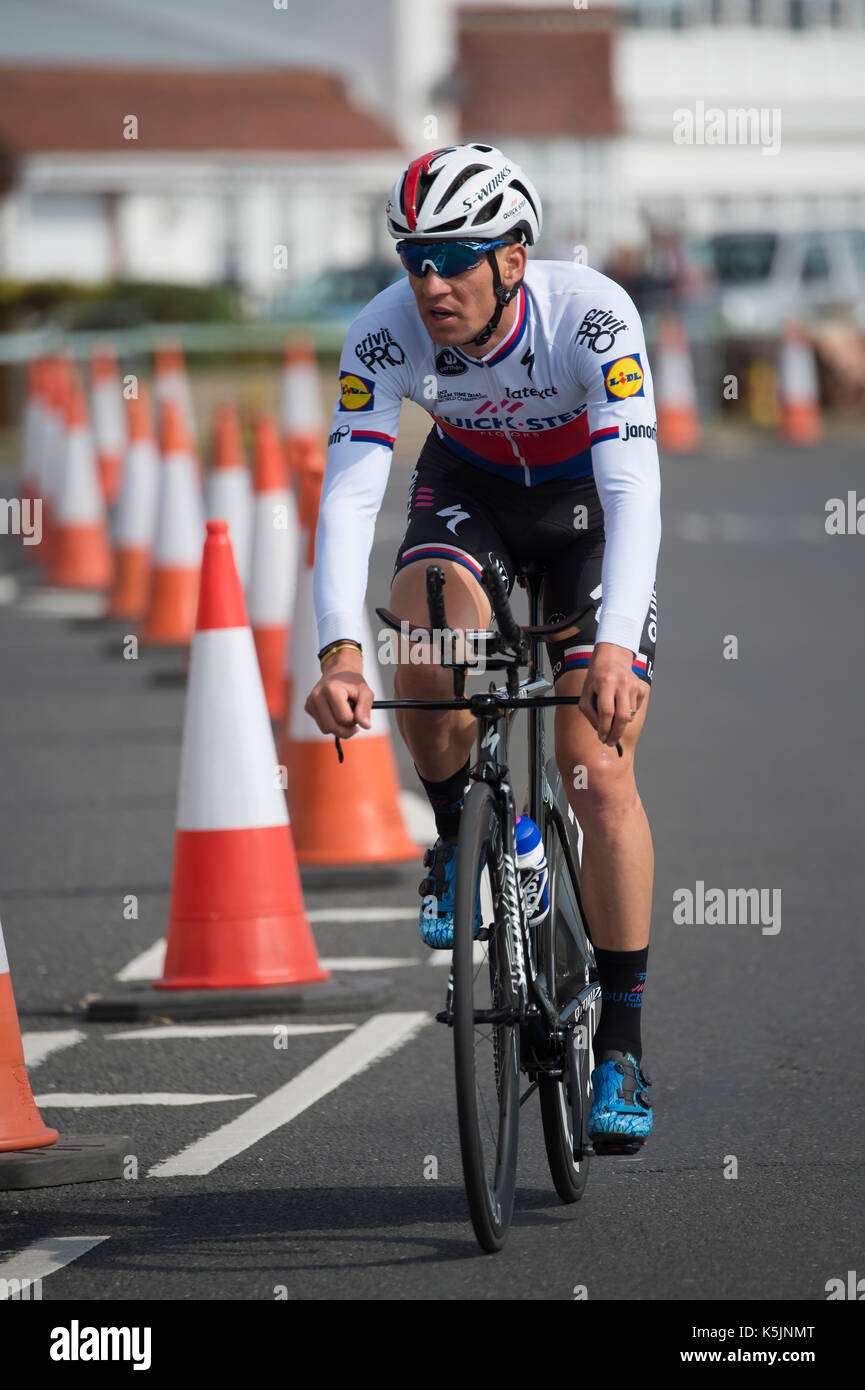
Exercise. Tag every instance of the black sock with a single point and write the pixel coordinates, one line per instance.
(446, 799)
(622, 975)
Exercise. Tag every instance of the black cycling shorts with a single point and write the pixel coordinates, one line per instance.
(457, 512)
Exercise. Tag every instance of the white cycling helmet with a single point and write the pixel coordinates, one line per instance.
(464, 192)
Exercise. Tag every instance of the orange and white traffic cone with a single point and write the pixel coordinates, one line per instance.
(81, 555)
(272, 572)
(675, 389)
(229, 494)
(56, 376)
(343, 813)
(135, 520)
(31, 434)
(171, 383)
(798, 387)
(21, 1125)
(109, 425)
(237, 917)
(300, 411)
(170, 617)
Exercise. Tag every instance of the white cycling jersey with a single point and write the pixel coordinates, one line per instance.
(568, 393)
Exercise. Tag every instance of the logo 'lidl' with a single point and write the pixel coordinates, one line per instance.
(623, 378)
(356, 392)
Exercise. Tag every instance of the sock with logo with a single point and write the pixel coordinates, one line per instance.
(622, 975)
(446, 799)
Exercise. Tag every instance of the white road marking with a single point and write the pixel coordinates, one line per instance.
(444, 957)
(419, 818)
(231, 1030)
(369, 1043)
(86, 1100)
(149, 964)
(45, 1257)
(146, 966)
(9, 589)
(362, 914)
(367, 962)
(38, 1046)
(63, 603)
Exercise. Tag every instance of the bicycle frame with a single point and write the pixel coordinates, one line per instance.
(495, 710)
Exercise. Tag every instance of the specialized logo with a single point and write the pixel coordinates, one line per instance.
(638, 432)
(338, 435)
(598, 330)
(457, 515)
(356, 392)
(528, 361)
(448, 364)
(623, 378)
(380, 350)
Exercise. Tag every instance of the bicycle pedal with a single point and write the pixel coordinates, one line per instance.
(619, 1148)
(482, 934)
(445, 1016)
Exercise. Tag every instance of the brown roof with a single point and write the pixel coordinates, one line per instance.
(538, 73)
(82, 109)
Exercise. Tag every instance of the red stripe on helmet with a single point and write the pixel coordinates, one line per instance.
(412, 174)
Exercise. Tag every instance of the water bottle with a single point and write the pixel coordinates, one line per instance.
(532, 869)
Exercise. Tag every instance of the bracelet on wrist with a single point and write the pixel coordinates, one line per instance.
(333, 647)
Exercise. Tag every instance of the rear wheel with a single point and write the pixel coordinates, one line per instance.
(486, 1035)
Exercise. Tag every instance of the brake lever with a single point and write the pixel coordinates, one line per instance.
(339, 752)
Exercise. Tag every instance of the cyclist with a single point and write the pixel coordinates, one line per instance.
(542, 448)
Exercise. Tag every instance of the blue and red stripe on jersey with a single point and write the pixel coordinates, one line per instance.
(441, 551)
(373, 437)
(578, 658)
(562, 451)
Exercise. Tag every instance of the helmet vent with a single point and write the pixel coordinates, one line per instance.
(487, 213)
(457, 184)
(521, 188)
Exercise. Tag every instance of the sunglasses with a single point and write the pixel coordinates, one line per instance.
(447, 258)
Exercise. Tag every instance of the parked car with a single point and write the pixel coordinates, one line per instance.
(764, 278)
(337, 295)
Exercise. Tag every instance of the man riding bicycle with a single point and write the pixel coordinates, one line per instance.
(542, 448)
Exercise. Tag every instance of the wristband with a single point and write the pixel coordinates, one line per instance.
(333, 647)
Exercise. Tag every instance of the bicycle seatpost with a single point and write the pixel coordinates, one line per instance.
(435, 582)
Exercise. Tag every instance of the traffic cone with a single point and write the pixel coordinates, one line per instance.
(31, 434)
(272, 572)
(343, 813)
(170, 618)
(237, 916)
(300, 404)
(798, 387)
(56, 375)
(135, 521)
(228, 487)
(21, 1125)
(675, 389)
(81, 555)
(109, 425)
(171, 383)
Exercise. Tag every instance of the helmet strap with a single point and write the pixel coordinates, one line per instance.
(504, 294)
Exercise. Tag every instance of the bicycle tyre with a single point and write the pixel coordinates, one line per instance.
(561, 966)
(486, 1056)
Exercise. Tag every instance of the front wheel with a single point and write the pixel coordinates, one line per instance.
(564, 962)
(486, 1034)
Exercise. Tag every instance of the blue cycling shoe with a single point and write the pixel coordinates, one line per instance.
(436, 920)
(620, 1120)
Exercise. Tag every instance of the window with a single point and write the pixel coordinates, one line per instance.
(815, 266)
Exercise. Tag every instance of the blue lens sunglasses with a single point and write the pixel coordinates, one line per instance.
(447, 258)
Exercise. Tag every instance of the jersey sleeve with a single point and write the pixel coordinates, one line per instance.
(372, 373)
(612, 366)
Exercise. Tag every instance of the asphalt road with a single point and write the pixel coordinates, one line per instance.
(750, 770)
